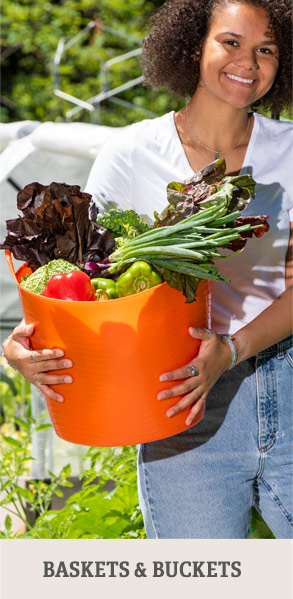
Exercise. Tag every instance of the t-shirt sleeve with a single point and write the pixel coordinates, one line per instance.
(110, 178)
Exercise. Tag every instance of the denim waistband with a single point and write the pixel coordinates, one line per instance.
(278, 348)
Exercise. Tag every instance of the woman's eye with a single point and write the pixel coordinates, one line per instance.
(265, 51)
(231, 43)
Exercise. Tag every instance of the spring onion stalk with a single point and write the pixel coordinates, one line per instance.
(179, 251)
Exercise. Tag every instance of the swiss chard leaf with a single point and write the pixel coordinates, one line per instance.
(238, 244)
(203, 189)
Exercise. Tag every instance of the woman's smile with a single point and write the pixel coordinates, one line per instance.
(239, 80)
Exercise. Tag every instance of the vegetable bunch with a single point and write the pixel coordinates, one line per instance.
(203, 215)
(184, 251)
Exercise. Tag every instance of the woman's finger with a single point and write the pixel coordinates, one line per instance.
(21, 335)
(187, 400)
(46, 354)
(43, 381)
(48, 365)
(196, 410)
(189, 370)
(49, 392)
(41, 378)
(188, 385)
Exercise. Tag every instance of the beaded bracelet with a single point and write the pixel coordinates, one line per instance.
(234, 355)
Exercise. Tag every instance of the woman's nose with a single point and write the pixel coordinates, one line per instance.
(247, 60)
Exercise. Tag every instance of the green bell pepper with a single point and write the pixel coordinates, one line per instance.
(139, 277)
(108, 286)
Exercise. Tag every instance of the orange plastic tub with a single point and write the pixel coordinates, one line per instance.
(119, 348)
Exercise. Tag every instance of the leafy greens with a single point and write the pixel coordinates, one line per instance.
(203, 215)
(59, 221)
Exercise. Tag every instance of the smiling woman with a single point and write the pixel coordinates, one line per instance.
(173, 48)
(236, 70)
(227, 57)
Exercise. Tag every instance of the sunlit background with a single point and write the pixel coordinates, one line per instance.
(80, 48)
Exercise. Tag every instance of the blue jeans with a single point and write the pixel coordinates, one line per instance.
(202, 482)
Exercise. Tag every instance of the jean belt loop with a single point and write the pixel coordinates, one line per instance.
(280, 350)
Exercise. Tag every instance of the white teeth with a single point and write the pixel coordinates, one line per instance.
(239, 78)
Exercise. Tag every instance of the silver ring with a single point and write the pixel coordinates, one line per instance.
(32, 358)
(37, 377)
(203, 400)
(192, 370)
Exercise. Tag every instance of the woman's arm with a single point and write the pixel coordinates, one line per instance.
(274, 323)
(214, 357)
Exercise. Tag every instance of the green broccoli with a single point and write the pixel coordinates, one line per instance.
(123, 223)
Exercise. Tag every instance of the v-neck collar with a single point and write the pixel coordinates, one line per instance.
(248, 152)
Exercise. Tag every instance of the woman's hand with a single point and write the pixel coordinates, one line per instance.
(34, 365)
(214, 357)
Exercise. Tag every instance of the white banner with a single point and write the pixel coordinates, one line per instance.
(234, 569)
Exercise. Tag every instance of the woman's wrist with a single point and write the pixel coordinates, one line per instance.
(269, 327)
(3, 355)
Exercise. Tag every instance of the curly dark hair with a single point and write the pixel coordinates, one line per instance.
(172, 48)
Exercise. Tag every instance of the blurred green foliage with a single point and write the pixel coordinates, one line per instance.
(31, 31)
(94, 512)
(106, 506)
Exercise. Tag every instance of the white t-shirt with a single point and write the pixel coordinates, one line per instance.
(135, 166)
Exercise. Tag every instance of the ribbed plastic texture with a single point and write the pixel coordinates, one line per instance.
(119, 348)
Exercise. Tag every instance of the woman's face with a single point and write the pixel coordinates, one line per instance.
(239, 56)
